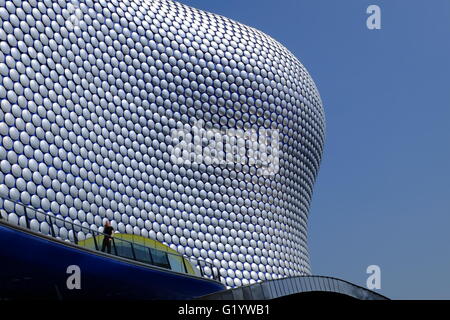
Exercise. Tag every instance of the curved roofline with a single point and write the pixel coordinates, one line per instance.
(277, 288)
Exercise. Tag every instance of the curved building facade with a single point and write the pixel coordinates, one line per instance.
(175, 124)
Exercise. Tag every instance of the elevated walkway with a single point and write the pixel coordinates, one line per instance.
(35, 258)
(275, 289)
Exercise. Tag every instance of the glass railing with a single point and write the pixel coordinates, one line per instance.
(81, 234)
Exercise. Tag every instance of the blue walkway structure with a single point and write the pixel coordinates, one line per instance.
(34, 266)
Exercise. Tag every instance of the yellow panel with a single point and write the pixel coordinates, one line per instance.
(150, 243)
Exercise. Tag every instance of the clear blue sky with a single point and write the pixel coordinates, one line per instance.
(383, 192)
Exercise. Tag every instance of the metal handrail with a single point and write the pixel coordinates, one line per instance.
(276, 288)
(52, 219)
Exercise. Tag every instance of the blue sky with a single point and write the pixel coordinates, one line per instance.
(383, 192)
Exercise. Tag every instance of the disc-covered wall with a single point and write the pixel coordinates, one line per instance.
(90, 94)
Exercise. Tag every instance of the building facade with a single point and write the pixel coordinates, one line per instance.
(173, 123)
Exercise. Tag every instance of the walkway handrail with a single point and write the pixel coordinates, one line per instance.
(52, 219)
(286, 286)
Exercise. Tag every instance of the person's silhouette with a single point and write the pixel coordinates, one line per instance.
(108, 231)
